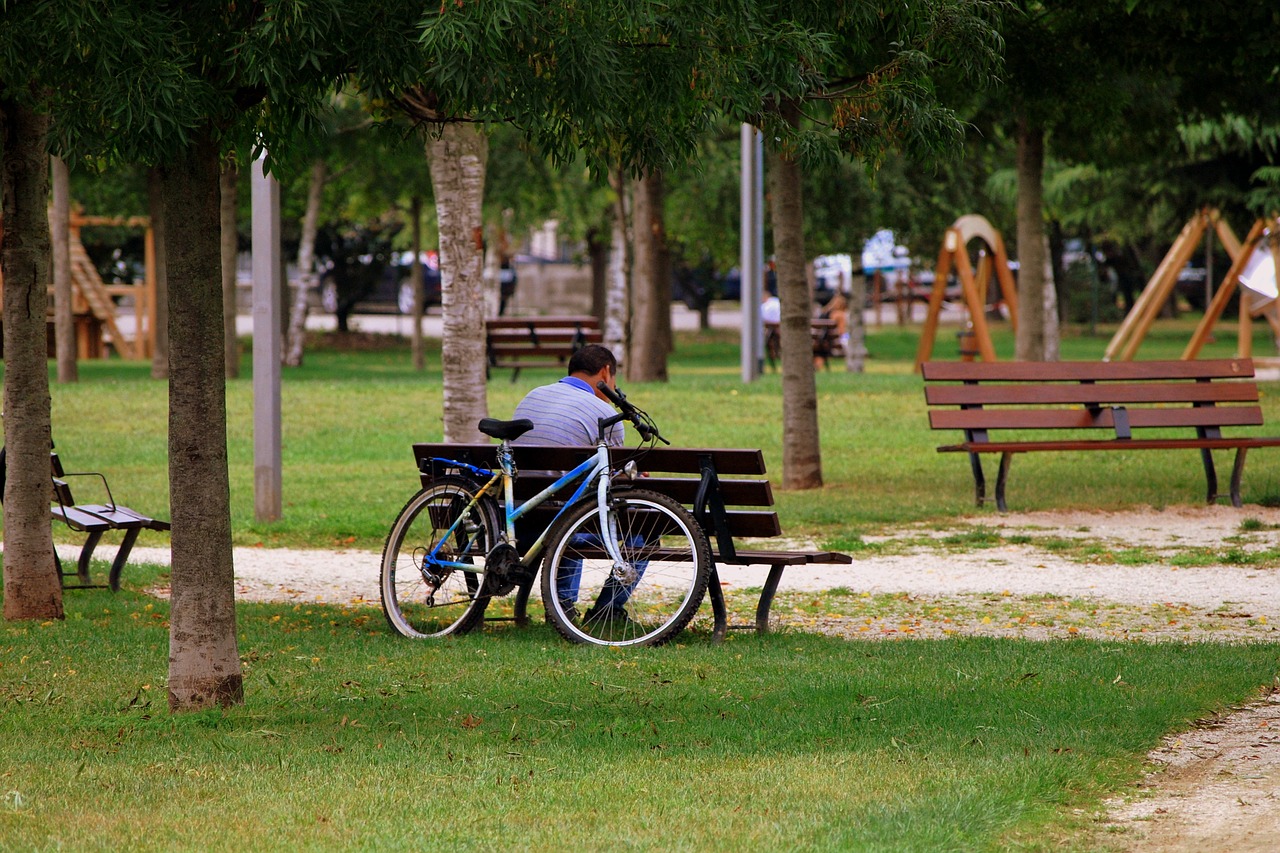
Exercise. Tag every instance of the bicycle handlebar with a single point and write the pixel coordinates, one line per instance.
(643, 423)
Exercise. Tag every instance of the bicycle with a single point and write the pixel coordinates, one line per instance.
(627, 567)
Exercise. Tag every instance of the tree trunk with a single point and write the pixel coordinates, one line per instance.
(63, 318)
(32, 587)
(297, 335)
(155, 202)
(457, 158)
(598, 252)
(651, 284)
(228, 196)
(415, 279)
(204, 661)
(1052, 327)
(617, 291)
(1029, 341)
(855, 351)
(801, 452)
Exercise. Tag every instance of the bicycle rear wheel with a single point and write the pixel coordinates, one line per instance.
(648, 599)
(421, 600)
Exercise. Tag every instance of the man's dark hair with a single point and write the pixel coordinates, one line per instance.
(591, 359)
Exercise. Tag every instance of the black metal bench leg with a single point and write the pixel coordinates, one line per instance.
(521, 606)
(766, 599)
(1006, 459)
(979, 481)
(1210, 474)
(716, 594)
(1237, 472)
(86, 554)
(122, 557)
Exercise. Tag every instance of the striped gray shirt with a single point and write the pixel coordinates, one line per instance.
(566, 414)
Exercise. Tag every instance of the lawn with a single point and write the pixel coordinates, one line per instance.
(353, 737)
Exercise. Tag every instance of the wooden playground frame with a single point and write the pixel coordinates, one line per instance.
(973, 284)
(1159, 289)
(93, 307)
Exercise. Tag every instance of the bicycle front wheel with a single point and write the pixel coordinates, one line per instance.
(422, 599)
(646, 600)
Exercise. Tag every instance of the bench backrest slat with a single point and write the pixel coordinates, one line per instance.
(585, 321)
(682, 460)
(1206, 416)
(1087, 393)
(1085, 371)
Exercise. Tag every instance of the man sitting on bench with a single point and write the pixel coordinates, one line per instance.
(567, 414)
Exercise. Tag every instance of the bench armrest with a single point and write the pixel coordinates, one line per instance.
(63, 493)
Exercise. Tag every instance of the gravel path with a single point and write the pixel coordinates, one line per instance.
(1214, 788)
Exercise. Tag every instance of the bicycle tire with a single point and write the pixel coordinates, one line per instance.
(415, 603)
(668, 564)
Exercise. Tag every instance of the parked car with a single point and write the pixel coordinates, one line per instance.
(388, 291)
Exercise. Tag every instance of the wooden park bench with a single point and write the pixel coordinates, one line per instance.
(1019, 399)
(519, 342)
(716, 484)
(826, 341)
(93, 520)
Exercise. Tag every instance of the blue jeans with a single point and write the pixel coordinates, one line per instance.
(614, 594)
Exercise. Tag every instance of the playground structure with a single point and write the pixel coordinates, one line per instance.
(95, 314)
(1254, 267)
(1159, 289)
(974, 284)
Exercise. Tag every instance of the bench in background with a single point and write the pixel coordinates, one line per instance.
(717, 484)
(826, 341)
(519, 342)
(93, 520)
(1020, 399)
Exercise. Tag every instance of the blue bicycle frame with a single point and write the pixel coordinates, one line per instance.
(594, 468)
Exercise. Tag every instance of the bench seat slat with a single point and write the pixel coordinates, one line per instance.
(1111, 444)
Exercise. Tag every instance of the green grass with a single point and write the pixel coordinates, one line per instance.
(349, 419)
(352, 737)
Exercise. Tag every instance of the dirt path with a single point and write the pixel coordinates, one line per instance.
(1182, 573)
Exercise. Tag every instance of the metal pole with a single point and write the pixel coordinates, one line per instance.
(267, 340)
(751, 264)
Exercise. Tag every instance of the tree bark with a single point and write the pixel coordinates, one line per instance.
(63, 319)
(855, 354)
(651, 284)
(228, 196)
(1029, 340)
(458, 157)
(598, 252)
(155, 203)
(297, 335)
(204, 661)
(617, 289)
(419, 293)
(801, 451)
(32, 586)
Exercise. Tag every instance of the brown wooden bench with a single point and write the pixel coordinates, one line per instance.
(518, 342)
(1118, 397)
(826, 342)
(721, 486)
(91, 519)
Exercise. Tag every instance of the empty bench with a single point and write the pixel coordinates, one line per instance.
(519, 342)
(826, 341)
(93, 520)
(1189, 402)
(716, 484)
